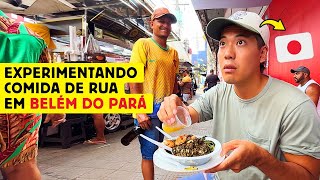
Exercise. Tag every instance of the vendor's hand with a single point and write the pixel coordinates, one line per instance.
(168, 109)
(244, 154)
(144, 121)
(55, 119)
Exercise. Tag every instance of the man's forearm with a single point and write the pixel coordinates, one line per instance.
(276, 169)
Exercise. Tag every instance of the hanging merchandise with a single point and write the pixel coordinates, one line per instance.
(92, 46)
(93, 51)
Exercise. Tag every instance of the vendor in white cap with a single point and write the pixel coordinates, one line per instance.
(269, 129)
(307, 85)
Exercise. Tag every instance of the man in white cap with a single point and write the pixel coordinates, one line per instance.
(307, 85)
(161, 64)
(268, 128)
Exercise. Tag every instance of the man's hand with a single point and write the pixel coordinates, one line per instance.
(168, 109)
(244, 154)
(144, 121)
(55, 119)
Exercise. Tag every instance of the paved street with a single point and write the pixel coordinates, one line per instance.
(111, 161)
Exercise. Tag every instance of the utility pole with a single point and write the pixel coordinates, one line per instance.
(179, 21)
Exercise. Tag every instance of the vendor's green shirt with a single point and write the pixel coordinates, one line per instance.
(20, 48)
(280, 119)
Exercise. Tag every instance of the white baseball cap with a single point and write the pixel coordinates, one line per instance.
(248, 20)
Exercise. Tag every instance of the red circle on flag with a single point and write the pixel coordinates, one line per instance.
(294, 47)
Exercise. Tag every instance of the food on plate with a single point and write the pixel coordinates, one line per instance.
(169, 143)
(190, 146)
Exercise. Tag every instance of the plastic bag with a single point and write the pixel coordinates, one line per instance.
(92, 46)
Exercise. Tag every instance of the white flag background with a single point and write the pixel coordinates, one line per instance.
(294, 47)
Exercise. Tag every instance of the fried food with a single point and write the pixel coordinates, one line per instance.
(180, 140)
(169, 143)
(190, 146)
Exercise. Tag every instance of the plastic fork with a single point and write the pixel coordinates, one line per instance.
(156, 143)
(164, 133)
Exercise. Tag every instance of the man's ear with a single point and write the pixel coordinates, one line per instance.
(151, 23)
(263, 54)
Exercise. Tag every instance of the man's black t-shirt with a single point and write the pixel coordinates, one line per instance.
(212, 80)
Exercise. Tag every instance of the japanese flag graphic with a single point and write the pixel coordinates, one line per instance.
(294, 47)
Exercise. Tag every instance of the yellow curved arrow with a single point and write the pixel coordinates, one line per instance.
(277, 25)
